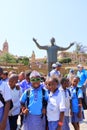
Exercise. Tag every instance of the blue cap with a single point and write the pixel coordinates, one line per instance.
(58, 64)
(71, 71)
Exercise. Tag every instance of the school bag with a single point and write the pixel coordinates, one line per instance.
(83, 99)
(3, 101)
(68, 92)
(44, 102)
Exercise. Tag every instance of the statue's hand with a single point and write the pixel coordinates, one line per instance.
(71, 44)
(34, 40)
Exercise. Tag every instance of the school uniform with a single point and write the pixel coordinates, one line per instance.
(55, 72)
(74, 103)
(67, 110)
(83, 77)
(15, 111)
(56, 104)
(34, 120)
(5, 91)
(24, 85)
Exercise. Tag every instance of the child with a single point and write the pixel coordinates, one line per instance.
(65, 85)
(56, 104)
(32, 104)
(16, 94)
(76, 104)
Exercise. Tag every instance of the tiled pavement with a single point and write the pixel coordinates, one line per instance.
(83, 124)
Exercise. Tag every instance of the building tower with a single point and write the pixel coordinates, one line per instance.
(33, 57)
(5, 47)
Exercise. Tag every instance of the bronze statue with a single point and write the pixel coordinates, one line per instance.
(52, 51)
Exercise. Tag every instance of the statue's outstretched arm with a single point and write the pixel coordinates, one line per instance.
(39, 46)
(65, 48)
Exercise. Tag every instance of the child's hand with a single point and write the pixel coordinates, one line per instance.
(25, 110)
(79, 114)
(2, 125)
(44, 111)
(59, 128)
(71, 113)
(17, 87)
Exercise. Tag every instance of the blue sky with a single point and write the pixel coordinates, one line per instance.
(21, 20)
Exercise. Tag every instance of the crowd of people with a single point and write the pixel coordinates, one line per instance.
(42, 102)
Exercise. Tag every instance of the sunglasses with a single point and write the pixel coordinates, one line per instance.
(35, 79)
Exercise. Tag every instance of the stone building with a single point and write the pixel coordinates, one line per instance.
(76, 57)
(5, 48)
(33, 58)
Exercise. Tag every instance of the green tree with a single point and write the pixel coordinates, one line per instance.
(8, 58)
(65, 60)
(25, 60)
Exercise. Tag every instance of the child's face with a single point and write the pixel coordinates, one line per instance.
(51, 86)
(65, 84)
(75, 81)
(47, 86)
(12, 84)
(35, 81)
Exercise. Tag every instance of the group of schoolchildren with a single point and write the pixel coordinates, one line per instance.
(41, 104)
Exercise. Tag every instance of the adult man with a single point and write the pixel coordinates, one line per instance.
(53, 66)
(82, 74)
(52, 51)
(56, 71)
(71, 75)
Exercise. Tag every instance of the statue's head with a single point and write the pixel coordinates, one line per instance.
(52, 41)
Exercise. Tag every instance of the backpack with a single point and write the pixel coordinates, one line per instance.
(69, 92)
(83, 99)
(3, 101)
(44, 102)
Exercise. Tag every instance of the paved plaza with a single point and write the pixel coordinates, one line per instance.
(83, 124)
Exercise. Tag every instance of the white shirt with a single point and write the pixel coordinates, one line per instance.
(55, 72)
(16, 94)
(56, 104)
(5, 91)
(67, 103)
